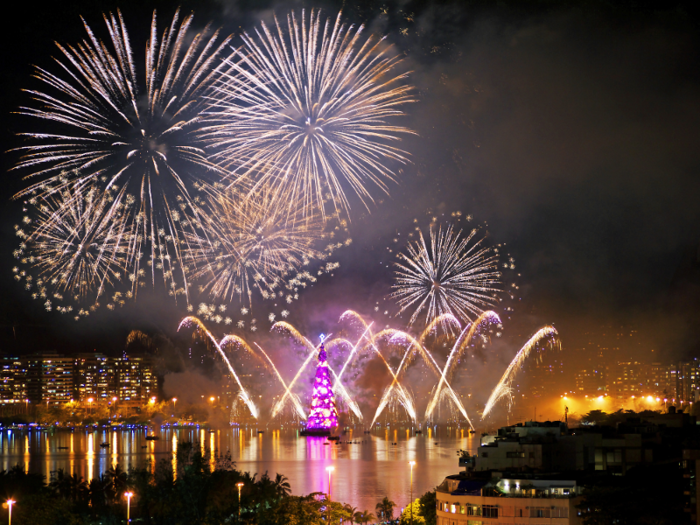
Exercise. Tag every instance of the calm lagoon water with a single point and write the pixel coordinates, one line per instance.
(365, 471)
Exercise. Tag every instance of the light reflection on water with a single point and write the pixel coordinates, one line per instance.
(364, 472)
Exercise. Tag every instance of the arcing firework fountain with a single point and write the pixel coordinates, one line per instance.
(323, 415)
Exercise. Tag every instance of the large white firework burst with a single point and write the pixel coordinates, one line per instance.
(251, 241)
(78, 248)
(108, 131)
(308, 108)
(451, 274)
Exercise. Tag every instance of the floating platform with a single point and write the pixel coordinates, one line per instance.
(316, 432)
(152, 438)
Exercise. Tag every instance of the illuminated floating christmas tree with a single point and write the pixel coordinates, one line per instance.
(323, 415)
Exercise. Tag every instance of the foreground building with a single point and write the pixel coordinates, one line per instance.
(513, 500)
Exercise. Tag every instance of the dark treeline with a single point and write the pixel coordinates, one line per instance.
(204, 492)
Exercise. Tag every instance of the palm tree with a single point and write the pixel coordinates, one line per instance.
(116, 482)
(68, 486)
(282, 486)
(364, 517)
(351, 512)
(386, 508)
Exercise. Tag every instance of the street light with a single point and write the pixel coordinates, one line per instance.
(330, 471)
(412, 463)
(240, 486)
(9, 504)
(90, 400)
(128, 495)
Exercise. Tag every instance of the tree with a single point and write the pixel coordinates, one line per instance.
(428, 507)
(364, 517)
(405, 518)
(299, 510)
(385, 509)
(351, 511)
(282, 486)
(68, 486)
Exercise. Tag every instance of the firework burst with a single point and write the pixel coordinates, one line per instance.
(307, 106)
(453, 274)
(78, 248)
(112, 133)
(254, 243)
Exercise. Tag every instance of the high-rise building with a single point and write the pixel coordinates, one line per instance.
(135, 378)
(689, 381)
(662, 381)
(13, 380)
(592, 380)
(49, 378)
(628, 379)
(94, 377)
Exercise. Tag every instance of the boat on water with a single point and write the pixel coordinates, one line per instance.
(315, 432)
(152, 438)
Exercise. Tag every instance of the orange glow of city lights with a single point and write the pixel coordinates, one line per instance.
(650, 399)
(211, 399)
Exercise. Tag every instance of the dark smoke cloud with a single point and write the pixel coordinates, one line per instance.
(572, 132)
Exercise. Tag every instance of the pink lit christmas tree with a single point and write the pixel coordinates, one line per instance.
(323, 414)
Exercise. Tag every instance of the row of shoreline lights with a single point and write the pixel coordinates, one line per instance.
(128, 495)
(649, 399)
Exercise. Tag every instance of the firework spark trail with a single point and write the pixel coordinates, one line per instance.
(307, 107)
(354, 349)
(342, 391)
(284, 326)
(294, 397)
(503, 388)
(395, 336)
(232, 339)
(79, 244)
(395, 384)
(403, 395)
(449, 276)
(430, 361)
(249, 241)
(112, 134)
(441, 320)
(193, 321)
(340, 388)
(457, 349)
(444, 320)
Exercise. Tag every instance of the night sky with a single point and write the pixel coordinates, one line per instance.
(572, 131)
